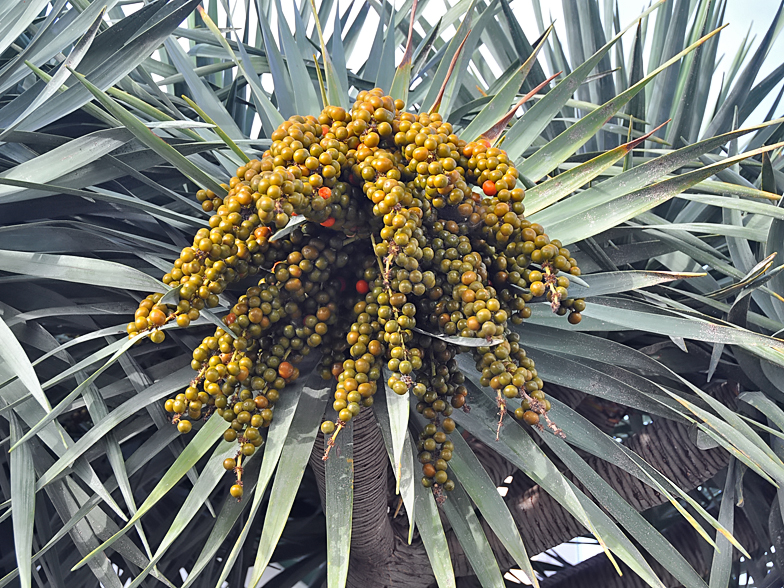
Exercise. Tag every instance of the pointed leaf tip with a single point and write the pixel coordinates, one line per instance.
(452, 64)
(409, 51)
(494, 132)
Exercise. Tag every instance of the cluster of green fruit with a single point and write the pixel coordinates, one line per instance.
(415, 241)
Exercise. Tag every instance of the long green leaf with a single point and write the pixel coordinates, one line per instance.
(117, 416)
(499, 105)
(65, 159)
(306, 99)
(339, 502)
(552, 190)
(122, 58)
(428, 522)
(15, 357)
(477, 483)
(605, 216)
(559, 149)
(151, 140)
(285, 410)
(623, 281)
(281, 76)
(199, 445)
(460, 513)
(517, 447)
(648, 318)
(73, 60)
(224, 523)
(587, 436)
(407, 480)
(210, 476)
(298, 445)
(263, 104)
(23, 498)
(721, 566)
(765, 405)
(632, 521)
(386, 67)
(398, 411)
(335, 94)
(402, 80)
(634, 178)
(440, 75)
(529, 126)
(82, 270)
(744, 448)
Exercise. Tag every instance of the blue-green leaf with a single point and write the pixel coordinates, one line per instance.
(23, 499)
(15, 357)
(339, 502)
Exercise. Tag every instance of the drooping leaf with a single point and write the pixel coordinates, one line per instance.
(204, 439)
(150, 139)
(298, 443)
(407, 476)
(339, 502)
(721, 566)
(479, 486)
(469, 533)
(23, 498)
(428, 522)
(14, 355)
(398, 413)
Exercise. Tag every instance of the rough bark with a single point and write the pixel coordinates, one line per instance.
(380, 556)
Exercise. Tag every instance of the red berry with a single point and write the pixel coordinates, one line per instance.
(324, 129)
(230, 318)
(489, 188)
(362, 287)
(328, 223)
(325, 192)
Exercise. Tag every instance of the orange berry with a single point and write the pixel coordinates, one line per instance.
(489, 188)
(285, 370)
(157, 317)
(328, 223)
(324, 192)
(362, 287)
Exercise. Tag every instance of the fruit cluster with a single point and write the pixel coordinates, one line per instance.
(414, 247)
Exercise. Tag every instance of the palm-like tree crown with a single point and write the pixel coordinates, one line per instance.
(121, 131)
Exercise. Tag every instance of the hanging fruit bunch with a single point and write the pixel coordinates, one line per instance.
(402, 245)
